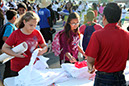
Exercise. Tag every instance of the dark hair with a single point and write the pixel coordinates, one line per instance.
(22, 5)
(94, 6)
(128, 28)
(10, 14)
(70, 8)
(30, 8)
(112, 12)
(67, 26)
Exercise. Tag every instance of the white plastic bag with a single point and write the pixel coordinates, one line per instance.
(29, 72)
(37, 74)
(75, 72)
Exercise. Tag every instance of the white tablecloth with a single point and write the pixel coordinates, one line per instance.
(71, 82)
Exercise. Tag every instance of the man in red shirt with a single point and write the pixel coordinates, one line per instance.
(108, 50)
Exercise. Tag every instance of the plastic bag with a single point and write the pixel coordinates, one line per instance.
(77, 72)
(37, 74)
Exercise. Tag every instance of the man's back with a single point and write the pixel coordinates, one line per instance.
(108, 49)
(113, 48)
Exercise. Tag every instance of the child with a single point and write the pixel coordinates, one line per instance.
(69, 40)
(11, 16)
(26, 33)
(22, 8)
(10, 27)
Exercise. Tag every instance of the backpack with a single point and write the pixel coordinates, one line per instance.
(56, 48)
(2, 30)
(87, 34)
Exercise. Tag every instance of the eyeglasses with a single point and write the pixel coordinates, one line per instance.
(74, 23)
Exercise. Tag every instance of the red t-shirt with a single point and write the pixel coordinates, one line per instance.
(83, 27)
(32, 40)
(110, 48)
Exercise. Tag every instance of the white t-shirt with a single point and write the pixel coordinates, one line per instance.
(123, 13)
(80, 8)
(54, 7)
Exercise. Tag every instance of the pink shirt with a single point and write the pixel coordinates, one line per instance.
(101, 9)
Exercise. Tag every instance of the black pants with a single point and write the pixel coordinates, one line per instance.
(109, 79)
(46, 34)
(7, 72)
(13, 73)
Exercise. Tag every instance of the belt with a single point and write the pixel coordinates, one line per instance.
(114, 73)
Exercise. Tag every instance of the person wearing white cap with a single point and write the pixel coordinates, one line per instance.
(45, 22)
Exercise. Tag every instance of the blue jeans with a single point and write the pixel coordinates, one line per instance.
(109, 79)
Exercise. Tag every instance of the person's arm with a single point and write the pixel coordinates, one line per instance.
(81, 51)
(71, 58)
(43, 49)
(1, 84)
(90, 63)
(7, 49)
(50, 22)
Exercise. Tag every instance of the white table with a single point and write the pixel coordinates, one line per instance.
(71, 82)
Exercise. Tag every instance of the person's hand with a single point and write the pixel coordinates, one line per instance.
(51, 28)
(72, 59)
(41, 51)
(20, 55)
(91, 70)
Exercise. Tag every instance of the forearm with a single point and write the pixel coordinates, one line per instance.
(81, 51)
(70, 57)
(43, 49)
(90, 62)
(8, 50)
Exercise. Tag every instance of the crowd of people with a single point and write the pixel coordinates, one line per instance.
(104, 43)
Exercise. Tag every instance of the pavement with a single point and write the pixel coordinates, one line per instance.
(53, 61)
